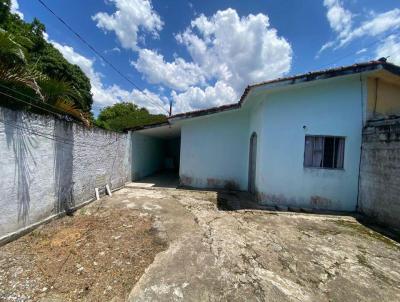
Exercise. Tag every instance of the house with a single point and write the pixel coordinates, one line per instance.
(293, 141)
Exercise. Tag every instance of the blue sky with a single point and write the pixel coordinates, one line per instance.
(204, 53)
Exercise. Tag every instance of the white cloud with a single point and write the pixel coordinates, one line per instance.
(391, 48)
(130, 17)
(179, 74)
(105, 96)
(15, 9)
(225, 49)
(377, 25)
(361, 51)
(115, 49)
(341, 22)
(239, 51)
(77, 59)
(196, 98)
(339, 18)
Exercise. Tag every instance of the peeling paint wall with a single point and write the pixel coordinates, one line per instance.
(47, 165)
(380, 172)
(214, 151)
(330, 107)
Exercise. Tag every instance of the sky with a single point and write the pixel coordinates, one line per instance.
(199, 54)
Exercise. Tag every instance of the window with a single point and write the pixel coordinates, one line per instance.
(324, 152)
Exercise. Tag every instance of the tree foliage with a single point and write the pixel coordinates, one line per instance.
(33, 72)
(29, 51)
(126, 115)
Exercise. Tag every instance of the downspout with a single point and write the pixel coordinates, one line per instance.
(361, 146)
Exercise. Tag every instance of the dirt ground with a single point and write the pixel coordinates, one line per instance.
(163, 244)
(96, 255)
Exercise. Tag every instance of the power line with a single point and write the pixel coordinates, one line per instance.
(45, 135)
(29, 103)
(32, 98)
(53, 137)
(57, 112)
(98, 53)
(56, 137)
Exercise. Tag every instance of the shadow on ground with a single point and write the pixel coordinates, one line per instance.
(239, 200)
(162, 179)
(383, 230)
(228, 200)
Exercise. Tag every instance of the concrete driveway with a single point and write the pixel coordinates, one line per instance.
(160, 244)
(252, 255)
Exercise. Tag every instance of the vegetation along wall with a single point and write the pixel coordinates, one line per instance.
(48, 166)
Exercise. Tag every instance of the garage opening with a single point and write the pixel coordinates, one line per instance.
(156, 155)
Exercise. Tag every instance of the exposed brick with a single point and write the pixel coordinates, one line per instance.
(380, 172)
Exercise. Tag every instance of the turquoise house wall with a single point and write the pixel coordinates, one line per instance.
(215, 148)
(283, 119)
(214, 151)
(147, 155)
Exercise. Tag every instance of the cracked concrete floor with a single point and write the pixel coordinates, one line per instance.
(209, 254)
(251, 255)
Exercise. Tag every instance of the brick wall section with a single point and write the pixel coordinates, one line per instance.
(48, 164)
(380, 172)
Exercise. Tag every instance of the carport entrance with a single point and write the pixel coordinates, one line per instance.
(156, 154)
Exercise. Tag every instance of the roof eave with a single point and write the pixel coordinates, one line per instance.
(148, 126)
(366, 67)
(320, 75)
(205, 112)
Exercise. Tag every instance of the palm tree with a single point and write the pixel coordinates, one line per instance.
(63, 96)
(16, 72)
(13, 65)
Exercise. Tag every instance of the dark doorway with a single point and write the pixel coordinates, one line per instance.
(156, 156)
(252, 163)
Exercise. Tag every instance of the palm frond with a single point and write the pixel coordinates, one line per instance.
(53, 90)
(15, 70)
(69, 108)
(21, 75)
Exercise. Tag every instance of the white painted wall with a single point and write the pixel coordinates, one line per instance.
(330, 107)
(45, 162)
(148, 155)
(214, 151)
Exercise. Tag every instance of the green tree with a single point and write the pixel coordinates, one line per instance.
(24, 87)
(41, 55)
(126, 115)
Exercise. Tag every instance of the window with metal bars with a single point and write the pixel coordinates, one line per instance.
(324, 151)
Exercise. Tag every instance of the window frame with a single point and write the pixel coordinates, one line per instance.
(323, 150)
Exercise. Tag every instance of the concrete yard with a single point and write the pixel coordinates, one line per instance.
(198, 252)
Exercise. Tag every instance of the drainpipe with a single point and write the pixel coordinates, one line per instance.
(361, 146)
